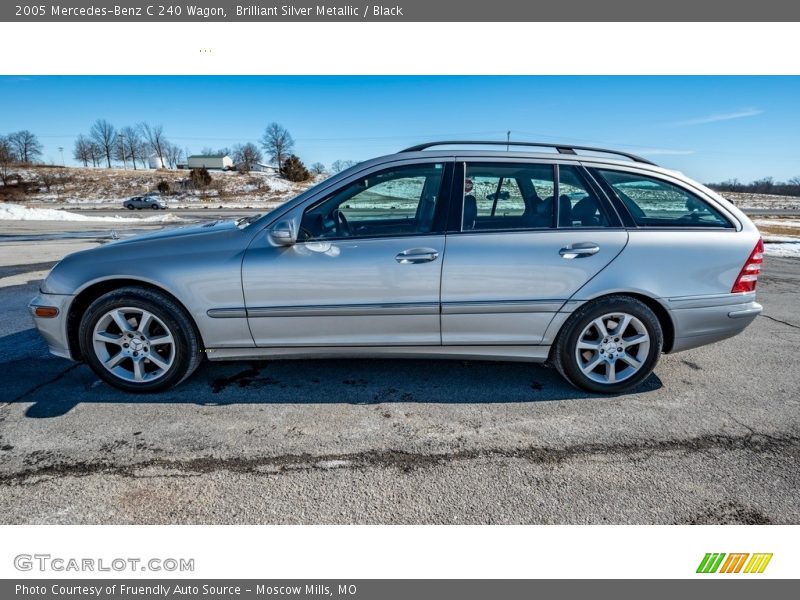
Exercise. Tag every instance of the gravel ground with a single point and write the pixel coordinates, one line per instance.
(712, 437)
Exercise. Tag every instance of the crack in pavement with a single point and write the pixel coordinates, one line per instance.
(58, 377)
(402, 460)
(781, 322)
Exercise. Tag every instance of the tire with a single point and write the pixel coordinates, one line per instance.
(608, 363)
(155, 207)
(158, 348)
(129, 206)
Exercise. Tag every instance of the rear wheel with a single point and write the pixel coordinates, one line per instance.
(129, 206)
(609, 345)
(139, 340)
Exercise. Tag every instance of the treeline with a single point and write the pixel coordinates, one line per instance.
(766, 185)
(144, 145)
(134, 145)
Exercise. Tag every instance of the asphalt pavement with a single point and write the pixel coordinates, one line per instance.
(713, 436)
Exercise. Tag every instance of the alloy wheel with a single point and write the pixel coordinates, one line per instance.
(612, 348)
(133, 344)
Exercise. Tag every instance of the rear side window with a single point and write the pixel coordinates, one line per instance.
(656, 203)
(500, 196)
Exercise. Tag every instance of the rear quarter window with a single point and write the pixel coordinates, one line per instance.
(656, 203)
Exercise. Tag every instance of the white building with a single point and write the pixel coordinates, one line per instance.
(218, 162)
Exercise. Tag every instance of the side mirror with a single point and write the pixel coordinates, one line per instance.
(283, 234)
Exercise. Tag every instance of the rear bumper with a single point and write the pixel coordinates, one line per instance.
(701, 321)
(54, 329)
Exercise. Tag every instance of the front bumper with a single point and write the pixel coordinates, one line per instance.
(53, 329)
(704, 321)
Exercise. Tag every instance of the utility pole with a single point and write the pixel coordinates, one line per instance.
(61, 149)
(508, 139)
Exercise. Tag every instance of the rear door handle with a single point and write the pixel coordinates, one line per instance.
(417, 255)
(579, 250)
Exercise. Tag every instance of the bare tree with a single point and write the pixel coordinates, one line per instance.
(156, 140)
(340, 165)
(96, 153)
(317, 168)
(277, 143)
(131, 145)
(26, 146)
(246, 156)
(7, 159)
(82, 152)
(174, 155)
(104, 135)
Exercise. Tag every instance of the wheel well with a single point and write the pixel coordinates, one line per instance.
(92, 293)
(667, 326)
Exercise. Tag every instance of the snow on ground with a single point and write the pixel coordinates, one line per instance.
(108, 188)
(762, 201)
(17, 212)
(785, 249)
(780, 244)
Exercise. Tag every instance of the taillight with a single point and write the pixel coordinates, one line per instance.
(748, 277)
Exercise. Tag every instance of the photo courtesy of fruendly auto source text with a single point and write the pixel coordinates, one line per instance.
(430, 300)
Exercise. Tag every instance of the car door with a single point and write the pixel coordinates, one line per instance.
(517, 254)
(365, 269)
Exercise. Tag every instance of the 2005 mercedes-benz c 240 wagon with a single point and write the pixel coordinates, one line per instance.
(592, 260)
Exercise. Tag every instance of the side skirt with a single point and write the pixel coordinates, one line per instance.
(536, 354)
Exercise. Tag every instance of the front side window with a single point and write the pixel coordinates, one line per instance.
(656, 203)
(501, 196)
(393, 202)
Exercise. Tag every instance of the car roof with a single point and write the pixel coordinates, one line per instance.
(588, 159)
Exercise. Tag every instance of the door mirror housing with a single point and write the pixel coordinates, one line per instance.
(283, 234)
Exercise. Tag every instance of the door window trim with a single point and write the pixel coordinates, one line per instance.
(455, 222)
(441, 210)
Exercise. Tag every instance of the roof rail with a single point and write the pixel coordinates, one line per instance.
(562, 148)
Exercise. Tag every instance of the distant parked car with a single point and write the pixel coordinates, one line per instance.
(147, 201)
(594, 264)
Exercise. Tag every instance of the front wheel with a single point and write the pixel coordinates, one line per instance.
(139, 340)
(609, 345)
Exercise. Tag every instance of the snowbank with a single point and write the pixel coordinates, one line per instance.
(17, 212)
(785, 249)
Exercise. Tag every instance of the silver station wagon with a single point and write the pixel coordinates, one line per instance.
(591, 260)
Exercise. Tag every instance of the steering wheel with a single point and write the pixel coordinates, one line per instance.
(342, 226)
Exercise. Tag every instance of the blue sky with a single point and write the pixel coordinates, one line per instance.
(710, 127)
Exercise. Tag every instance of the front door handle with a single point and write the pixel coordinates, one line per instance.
(417, 255)
(579, 250)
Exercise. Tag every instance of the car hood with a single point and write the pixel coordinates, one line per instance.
(173, 232)
(143, 257)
